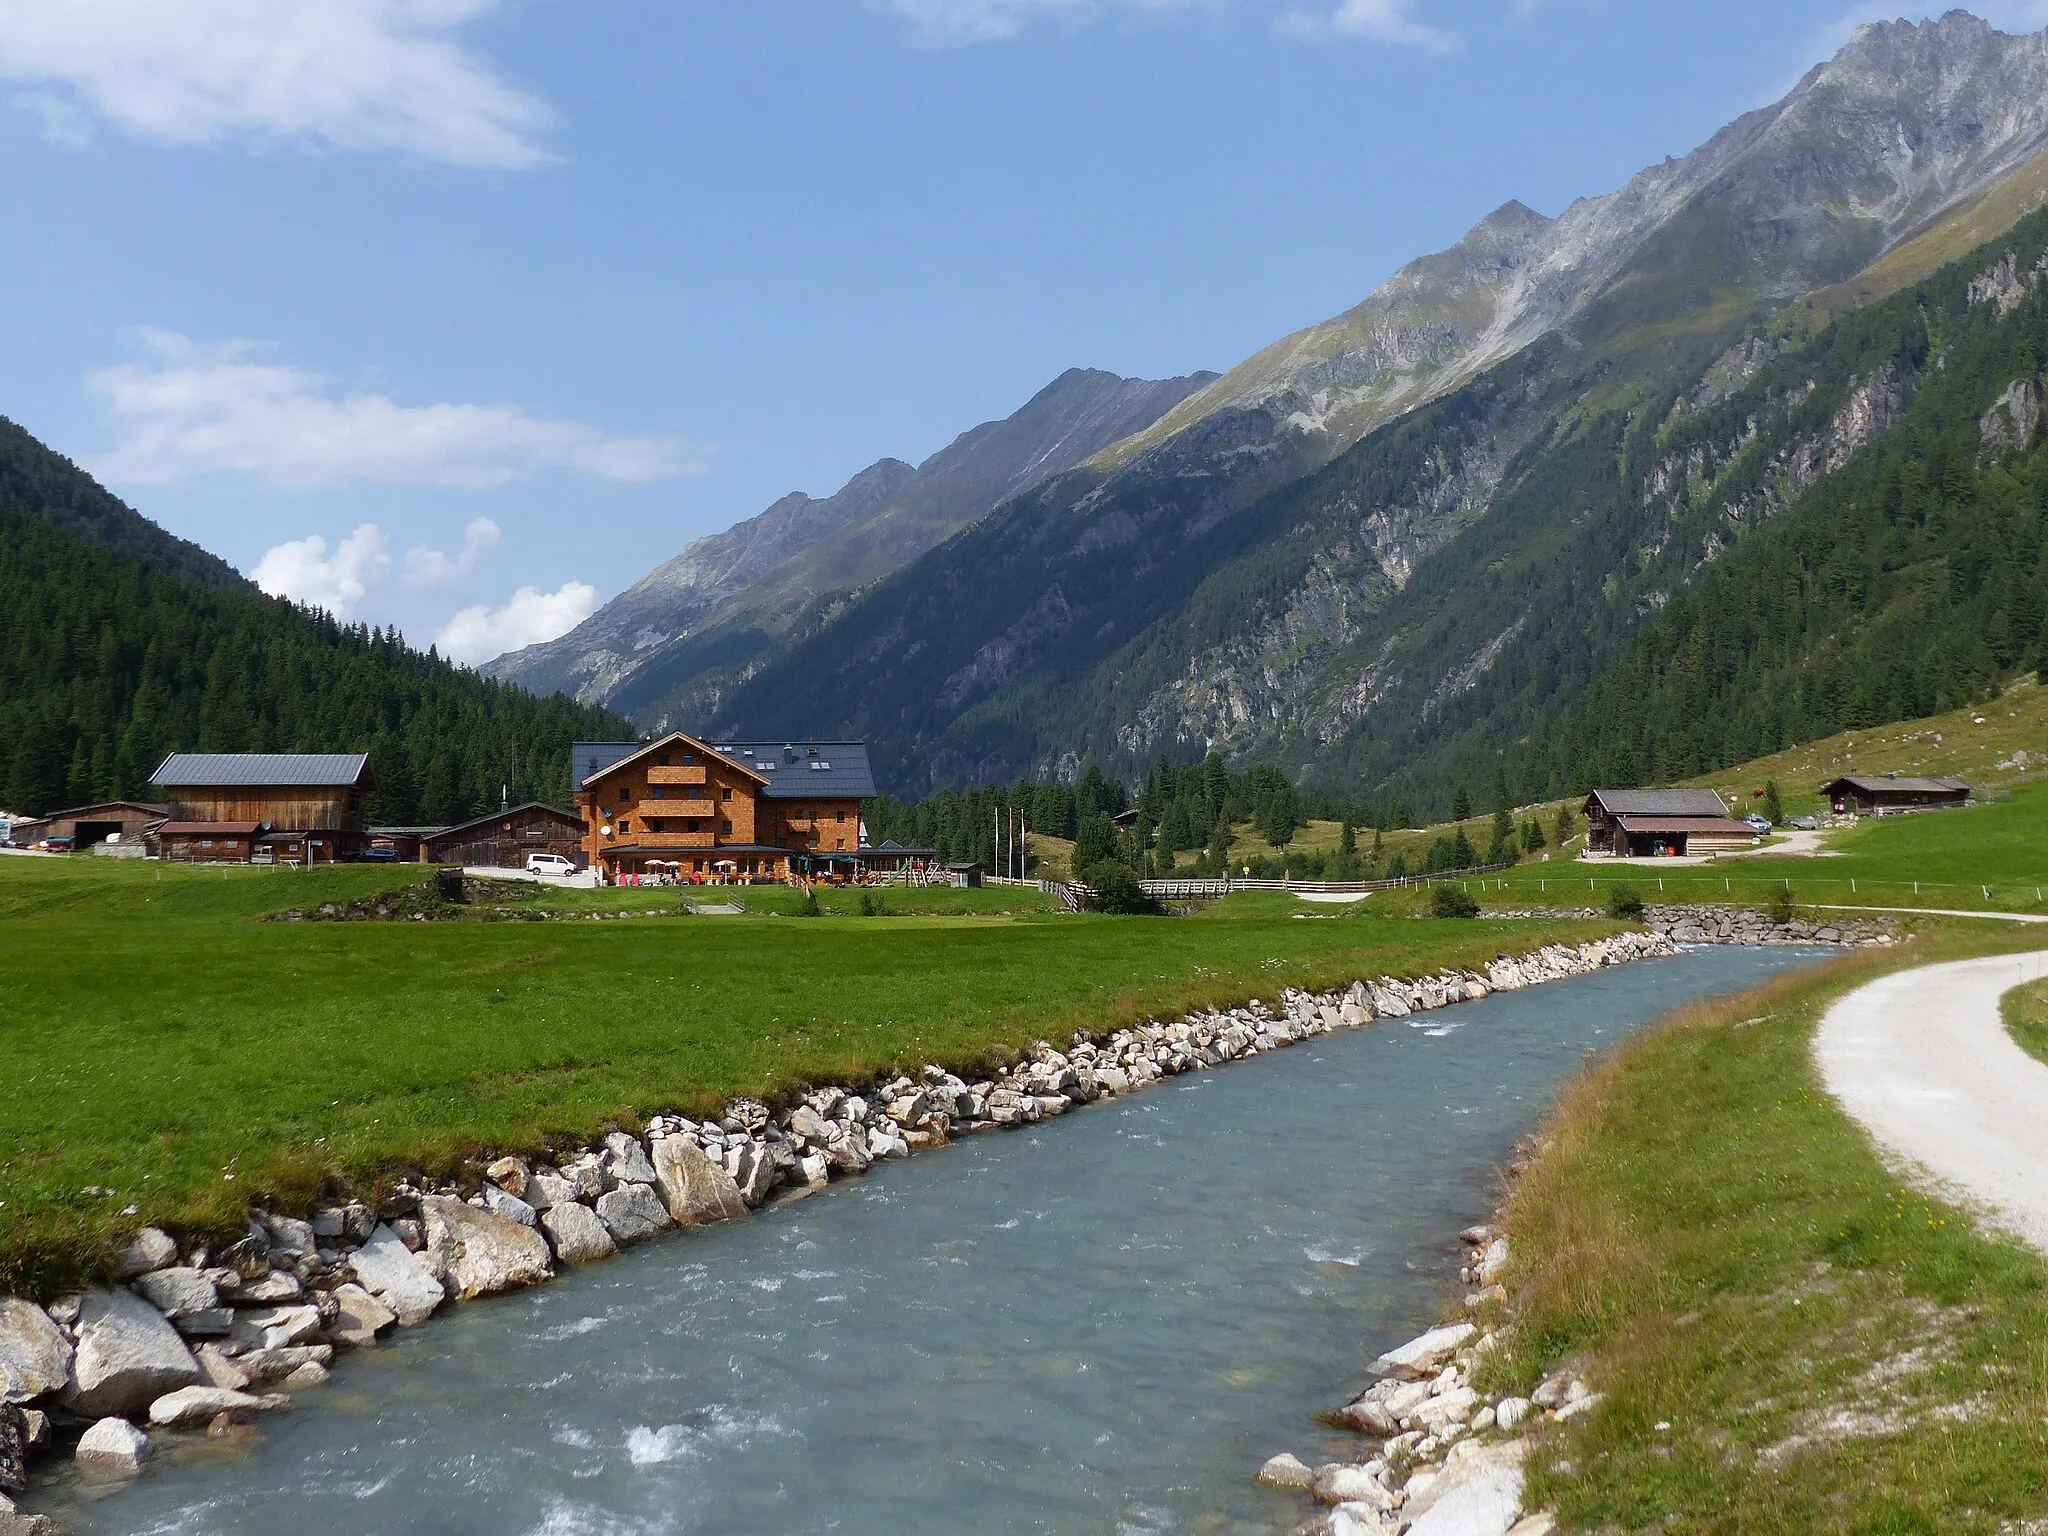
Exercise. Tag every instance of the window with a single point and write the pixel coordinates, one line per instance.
(725, 794)
(661, 759)
(206, 842)
(660, 793)
(810, 751)
(694, 792)
(842, 816)
(839, 842)
(725, 826)
(625, 795)
(625, 826)
(689, 759)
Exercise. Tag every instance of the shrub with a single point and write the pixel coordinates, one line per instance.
(1116, 889)
(1779, 908)
(872, 905)
(1625, 901)
(809, 906)
(1447, 900)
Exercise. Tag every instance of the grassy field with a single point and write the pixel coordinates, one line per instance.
(2026, 1018)
(1787, 1339)
(170, 1055)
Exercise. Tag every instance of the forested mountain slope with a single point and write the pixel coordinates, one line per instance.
(119, 643)
(1352, 622)
(726, 597)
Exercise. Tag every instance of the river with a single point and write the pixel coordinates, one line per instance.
(1102, 1323)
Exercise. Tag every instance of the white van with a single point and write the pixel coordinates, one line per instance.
(548, 864)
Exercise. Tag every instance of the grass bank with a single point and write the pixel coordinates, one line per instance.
(1789, 1340)
(2026, 1018)
(171, 1056)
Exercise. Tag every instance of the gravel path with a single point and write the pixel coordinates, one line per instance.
(1922, 1059)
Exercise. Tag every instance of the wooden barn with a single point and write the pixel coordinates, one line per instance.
(288, 806)
(504, 839)
(1653, 823)
(82, 826)
(1860, 794)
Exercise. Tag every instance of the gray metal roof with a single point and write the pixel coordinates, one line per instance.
(261, 770)
(1660, 802)
(807, 770)
(1900, 785)
(795, 770)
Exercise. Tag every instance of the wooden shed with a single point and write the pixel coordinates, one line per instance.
(1649, 823)
(84, 825)
(504, 839)
(316, 801)
(1860, 794)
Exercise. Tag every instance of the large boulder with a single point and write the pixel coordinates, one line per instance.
(127, 1357)
(34, 1357)
(576, 1233)
(480, 1254)
(1424, 1355)
(190, 1407)
(358, 1317)
(632, 1213)
(113, 1446)
(150, 1248)
(178, 1291)
(13, 1450)
(626, 1160)
(393, 1274)
(697, 1190)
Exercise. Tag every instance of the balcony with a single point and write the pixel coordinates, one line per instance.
(690, 775)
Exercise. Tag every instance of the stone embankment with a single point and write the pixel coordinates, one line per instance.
(210, 1337)
(1443, 1458)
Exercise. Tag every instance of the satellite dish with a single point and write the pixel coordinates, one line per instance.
(606, 829)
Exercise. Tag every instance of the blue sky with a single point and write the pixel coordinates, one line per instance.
(463, 314)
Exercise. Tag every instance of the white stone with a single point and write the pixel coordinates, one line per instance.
(221, 1371)
(189, 1407)
(1359, 1520)
(1285, 1471)
(289, 1235)
(150, 1248)
(1509, 1412)
(1495, 1264)
(1580, 1403)
(127, 1357)
(1539, 1524)
(300, 1377)
(278, 1286)
(1340, 1484)
(698, 1190)
(34, 1356)
(113, 1446)
(480, 1254)
(394, 1274)
(510, 1206)
(576, 1233)
(177, 1292)
(1487, 1505)
(1425, 1354)
(626, 1160)
(545, 1190)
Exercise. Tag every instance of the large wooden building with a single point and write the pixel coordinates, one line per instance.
(734, 810)
(1653, 823)
(1859, 794)
(83, 826)
(291, 807)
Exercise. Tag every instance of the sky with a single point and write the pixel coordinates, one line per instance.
(462, 315)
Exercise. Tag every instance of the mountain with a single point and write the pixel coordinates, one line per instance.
(120, 642)
(1321, 558)
(727, 596)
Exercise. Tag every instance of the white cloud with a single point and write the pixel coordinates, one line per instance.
(424, 567)
(335, 74)
(947, 22)
(478, 633)
(218, 409)
(302, 570)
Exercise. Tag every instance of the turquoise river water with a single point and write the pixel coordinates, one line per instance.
(1101, 1323)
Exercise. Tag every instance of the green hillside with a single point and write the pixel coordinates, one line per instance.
(119, 643)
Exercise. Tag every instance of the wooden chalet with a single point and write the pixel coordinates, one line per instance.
(83, 826)
(1655, 823)
(727, 811)
(288, 807)
(1888, 794)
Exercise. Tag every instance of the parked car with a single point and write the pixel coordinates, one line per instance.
(549, 864)
(1757, 824)
(380, 855)
(1804, 824)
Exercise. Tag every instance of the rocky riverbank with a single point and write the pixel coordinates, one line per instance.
(207, 1338)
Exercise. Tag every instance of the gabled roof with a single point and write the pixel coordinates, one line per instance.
(588, 759)
(1883, 781)
(263, 770)
(808, 770)
(437, 833)
(1659, 802)
(73, 812)
(1707, 824)
(785, 769)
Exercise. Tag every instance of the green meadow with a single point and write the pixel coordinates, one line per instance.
(173, 1052)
